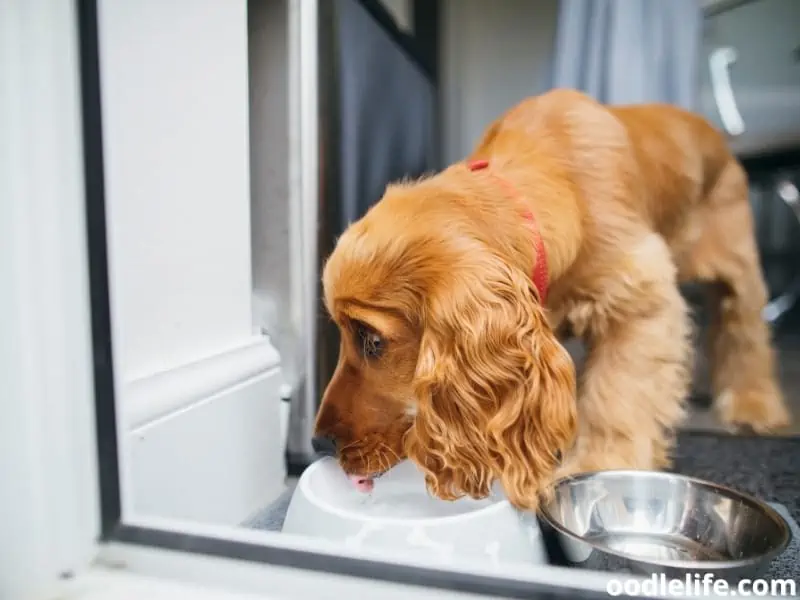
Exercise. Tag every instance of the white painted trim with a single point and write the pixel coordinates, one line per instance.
(153, 397)
(304, 165)
(258, 577)
(49, 513)
(303, 171)
(237, 581)
(240, 582)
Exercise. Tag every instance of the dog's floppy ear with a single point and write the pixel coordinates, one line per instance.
(496, 390)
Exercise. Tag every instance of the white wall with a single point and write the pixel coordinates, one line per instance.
(492, 59)
(175, 110)
(198, 389)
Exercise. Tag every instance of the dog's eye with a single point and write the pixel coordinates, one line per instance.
(369, 341)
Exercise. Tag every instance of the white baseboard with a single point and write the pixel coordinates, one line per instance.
(206, 442)
(153, 397)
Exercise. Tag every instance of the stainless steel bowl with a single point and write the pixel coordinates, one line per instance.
(648, 522)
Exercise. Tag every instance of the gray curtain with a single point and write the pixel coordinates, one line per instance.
(630, 51)
(387, 113)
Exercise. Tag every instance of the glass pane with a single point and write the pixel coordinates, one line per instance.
(315, 342)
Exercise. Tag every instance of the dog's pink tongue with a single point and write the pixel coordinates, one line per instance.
(362, 484)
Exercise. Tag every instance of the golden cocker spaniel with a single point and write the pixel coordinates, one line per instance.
(569, 217)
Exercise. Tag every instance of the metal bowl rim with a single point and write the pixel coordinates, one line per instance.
(786, 537)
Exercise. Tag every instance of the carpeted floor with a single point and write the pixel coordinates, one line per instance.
(766, 467)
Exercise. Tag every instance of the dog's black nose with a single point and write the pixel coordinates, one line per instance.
(324, 445)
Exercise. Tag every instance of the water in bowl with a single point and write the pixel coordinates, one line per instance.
(413, 504)
(401, 494)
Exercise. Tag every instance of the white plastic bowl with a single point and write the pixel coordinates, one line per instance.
(400, 516)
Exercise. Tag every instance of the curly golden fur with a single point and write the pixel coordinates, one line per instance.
(449, 358)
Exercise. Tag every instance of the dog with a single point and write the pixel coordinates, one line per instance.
(453, 292)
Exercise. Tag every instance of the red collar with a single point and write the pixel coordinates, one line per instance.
(540, 274)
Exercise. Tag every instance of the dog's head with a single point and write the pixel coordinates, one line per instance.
(446, 356)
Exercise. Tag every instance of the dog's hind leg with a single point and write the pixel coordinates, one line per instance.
(743, 371)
